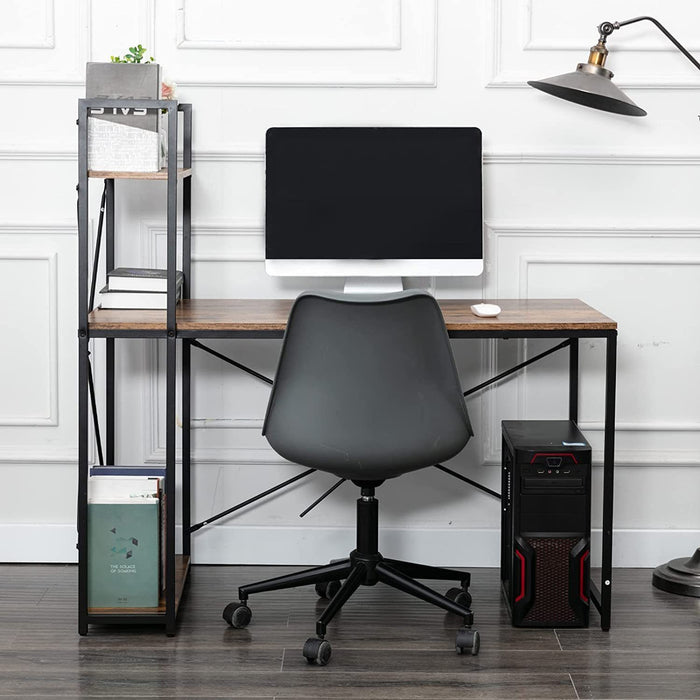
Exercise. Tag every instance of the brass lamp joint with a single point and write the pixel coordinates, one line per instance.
(598, 53)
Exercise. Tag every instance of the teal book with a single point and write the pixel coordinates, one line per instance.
(124, 549)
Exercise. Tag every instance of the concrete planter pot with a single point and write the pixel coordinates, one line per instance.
(124, 139)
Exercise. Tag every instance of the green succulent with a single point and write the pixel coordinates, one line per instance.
(135, 55)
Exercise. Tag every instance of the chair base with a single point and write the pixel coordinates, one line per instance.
(366, 567)
(362, 570)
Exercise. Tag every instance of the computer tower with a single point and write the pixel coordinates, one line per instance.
(546, 523)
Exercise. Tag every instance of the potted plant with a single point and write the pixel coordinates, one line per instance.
(122, 138)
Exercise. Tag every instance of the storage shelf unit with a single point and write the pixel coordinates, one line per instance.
(176, 566)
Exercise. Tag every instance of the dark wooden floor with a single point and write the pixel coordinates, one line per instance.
(385, 645)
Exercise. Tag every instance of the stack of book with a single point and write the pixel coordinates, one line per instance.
(138, 288)
(126, 518)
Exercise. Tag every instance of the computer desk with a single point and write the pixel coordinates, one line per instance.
(569, 319)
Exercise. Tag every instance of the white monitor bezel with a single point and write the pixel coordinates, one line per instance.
(279, 267)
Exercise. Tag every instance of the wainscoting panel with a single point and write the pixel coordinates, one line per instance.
(37, 387)
(44, 42)
(644, 279)
(391, 43)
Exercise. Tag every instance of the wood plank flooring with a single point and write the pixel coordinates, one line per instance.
(385, 645)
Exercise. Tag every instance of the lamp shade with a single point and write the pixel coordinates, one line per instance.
(592, 86)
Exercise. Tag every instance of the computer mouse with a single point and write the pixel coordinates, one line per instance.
(485, 309)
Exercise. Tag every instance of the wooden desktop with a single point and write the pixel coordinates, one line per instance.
(222, 317)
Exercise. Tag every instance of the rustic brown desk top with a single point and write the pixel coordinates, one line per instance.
(271, 315)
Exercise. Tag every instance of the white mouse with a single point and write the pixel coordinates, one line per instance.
(485, 309)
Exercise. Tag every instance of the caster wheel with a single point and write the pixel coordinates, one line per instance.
(327, 589)
(467, 642)
(237, 615)
(317, 651)
(459, 596)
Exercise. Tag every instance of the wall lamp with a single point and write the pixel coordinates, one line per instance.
(591, 85)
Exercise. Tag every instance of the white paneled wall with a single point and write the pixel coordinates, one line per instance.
(578, 203)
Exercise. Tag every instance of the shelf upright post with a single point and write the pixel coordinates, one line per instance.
(171, 353)
(110, 400)
(608, 477)
(186, 346)
(186, 198)
(83, 367)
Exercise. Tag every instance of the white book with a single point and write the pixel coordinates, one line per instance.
(110, 299)
(118, 489)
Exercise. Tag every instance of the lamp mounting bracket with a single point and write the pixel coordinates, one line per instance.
(607, 28)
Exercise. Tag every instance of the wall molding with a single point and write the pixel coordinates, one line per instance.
(76, 52)
(407, 60)
(589, 158)
(51, 419)
(238, 230)
(49, 39)
(676, 457)
(510, 229)
(235, 44)
(53, 454)
(19, 454)
(491, 443)
(154, 445)
(38, 155)
(497, 231)
(660, 44)
(247, 154)
(38, 229)
(146, 23)
(154, 448)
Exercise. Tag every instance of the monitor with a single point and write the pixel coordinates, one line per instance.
(364, 202)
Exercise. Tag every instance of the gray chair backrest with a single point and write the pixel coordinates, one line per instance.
(366, 386)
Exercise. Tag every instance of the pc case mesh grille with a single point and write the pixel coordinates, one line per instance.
(551, 604)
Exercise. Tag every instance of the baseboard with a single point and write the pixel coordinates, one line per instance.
(27, 543)
(320, 545)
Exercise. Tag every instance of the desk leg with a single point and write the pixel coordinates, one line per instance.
(573, 380)
(83, 440)
(186, 445)
(608, 478)
(170, 420)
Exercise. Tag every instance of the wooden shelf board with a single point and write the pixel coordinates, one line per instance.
(161, 174)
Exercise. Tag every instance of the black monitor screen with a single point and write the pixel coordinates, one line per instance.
(373, 193)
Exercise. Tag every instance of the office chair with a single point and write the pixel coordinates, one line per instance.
(366, 389)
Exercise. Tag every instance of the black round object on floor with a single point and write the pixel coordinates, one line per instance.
(681, 576)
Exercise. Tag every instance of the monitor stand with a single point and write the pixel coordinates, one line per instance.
(372, 285)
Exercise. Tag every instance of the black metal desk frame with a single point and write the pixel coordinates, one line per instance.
(171, 333)
(600, 595)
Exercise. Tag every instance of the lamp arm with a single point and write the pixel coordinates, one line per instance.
(607, 28)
